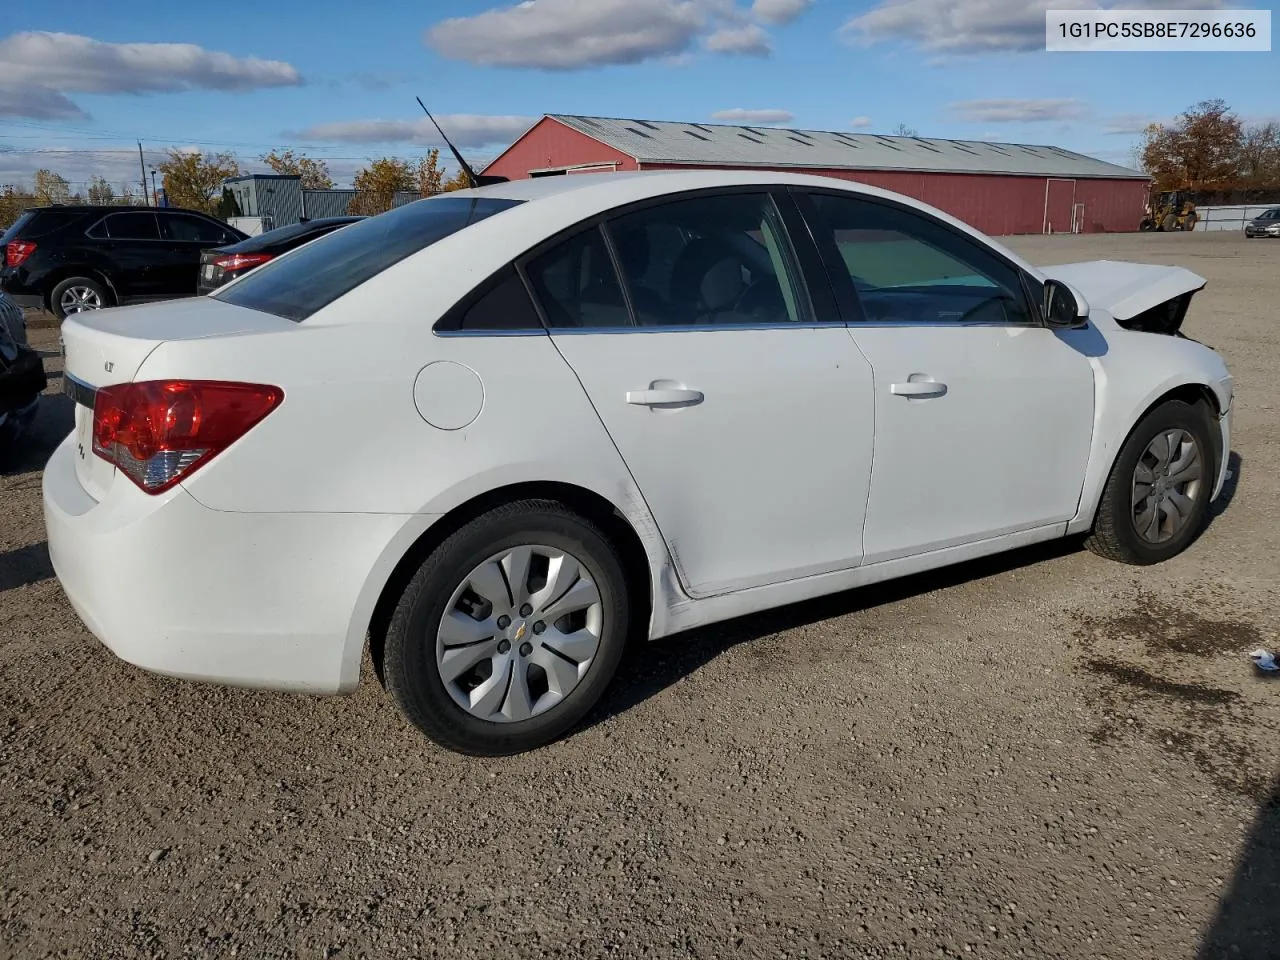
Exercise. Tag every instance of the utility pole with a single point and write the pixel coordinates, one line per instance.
(142, 165)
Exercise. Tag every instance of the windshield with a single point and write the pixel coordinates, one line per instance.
(314, 275)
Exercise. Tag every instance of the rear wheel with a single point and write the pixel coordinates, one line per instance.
(1156, 499)
(510, 631)
(76, 295)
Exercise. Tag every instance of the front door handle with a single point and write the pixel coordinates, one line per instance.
(664, 397)
(918, 387)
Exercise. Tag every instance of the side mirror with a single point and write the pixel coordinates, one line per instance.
(1063, 309)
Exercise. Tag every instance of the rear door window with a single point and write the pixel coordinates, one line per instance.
(138, 225)
(316, 274)
(188, 229)
(577, 285)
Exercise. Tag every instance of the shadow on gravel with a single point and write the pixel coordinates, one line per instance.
(25, 566)
(1248, 920)
(650, 668)
(1234, 463)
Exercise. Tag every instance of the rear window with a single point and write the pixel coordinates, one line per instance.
(316, 274)
(41, 223)
(139, 225)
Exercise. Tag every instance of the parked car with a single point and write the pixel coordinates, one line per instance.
(22, 376)
(493, 433)
(1265, 224)
(68, 259)
(221, 265)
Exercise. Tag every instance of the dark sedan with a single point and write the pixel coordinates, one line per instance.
(1266, 224)
(221, 265)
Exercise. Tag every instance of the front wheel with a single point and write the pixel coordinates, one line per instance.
(510, 631)
(1157, 496)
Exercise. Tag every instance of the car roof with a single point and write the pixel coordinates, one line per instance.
(108, 208)
(579, 196)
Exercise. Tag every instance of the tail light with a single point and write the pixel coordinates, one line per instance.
(17, 251)
(241, 261)
(161, 431)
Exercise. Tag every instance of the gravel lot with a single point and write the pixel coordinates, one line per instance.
(1042, 755)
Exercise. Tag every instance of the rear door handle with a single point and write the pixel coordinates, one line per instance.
(918, 387)
(669, 396)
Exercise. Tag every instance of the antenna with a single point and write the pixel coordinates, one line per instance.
(472, 177)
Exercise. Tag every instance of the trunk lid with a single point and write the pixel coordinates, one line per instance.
(1140, 296)
(102, 348)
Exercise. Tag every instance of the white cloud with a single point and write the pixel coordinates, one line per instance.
(749, 40)
(1128, 123)
(465, 130)
(1016, 111)
(40, 68)
(965, 27)
(762, 117)
(859, 123)
(779, 11)
(571, 34)
(581, 34)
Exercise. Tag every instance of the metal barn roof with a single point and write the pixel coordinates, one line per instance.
(664, 141)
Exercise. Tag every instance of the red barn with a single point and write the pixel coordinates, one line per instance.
(1000, 188)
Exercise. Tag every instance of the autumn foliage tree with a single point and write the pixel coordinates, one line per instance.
(314, 173)
(51, 187)
(1208, 148)
(101, 192)
(194, 179)
(378, 183)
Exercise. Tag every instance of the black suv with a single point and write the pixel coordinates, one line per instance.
(66, 259)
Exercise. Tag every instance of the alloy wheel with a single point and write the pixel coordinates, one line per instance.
(519, 633)
(1166, 485)
(78, 299)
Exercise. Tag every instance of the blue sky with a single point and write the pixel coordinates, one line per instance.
(337, 79)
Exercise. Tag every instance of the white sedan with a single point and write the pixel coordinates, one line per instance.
(491, 435)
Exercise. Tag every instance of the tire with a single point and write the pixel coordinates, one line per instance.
(83, 289)
(1169, 223)
(413, 663)
(1116, 532)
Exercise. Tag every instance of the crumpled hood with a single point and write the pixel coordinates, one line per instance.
(1125, 289)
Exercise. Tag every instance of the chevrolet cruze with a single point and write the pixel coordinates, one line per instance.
(491, 436)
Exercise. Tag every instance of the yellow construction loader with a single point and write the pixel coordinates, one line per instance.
(1170, 211)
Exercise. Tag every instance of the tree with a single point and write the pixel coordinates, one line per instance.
(51, 187)
(228, 206)
(902, 130)
(100, 192)
(1260, 155)
(1201, 150)
(314, 173)
(378, 183)
(458, 181)
(193, 179)
(430, 174)
(12, 202)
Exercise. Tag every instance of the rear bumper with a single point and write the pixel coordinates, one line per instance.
(276, 601)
